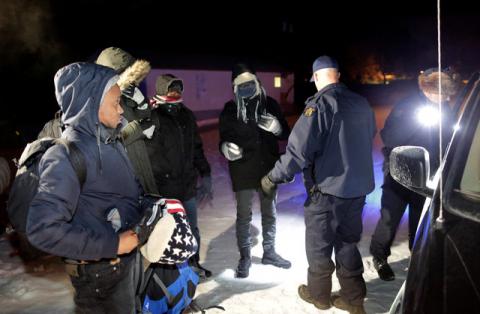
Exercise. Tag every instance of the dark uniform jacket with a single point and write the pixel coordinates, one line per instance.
(403, 127)
(332, 144)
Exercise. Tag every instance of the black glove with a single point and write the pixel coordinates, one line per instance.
(153, 211)
(132, 92)
(147, 127)
(268, 187)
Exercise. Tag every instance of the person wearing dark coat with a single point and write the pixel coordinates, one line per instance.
(250, 127)
(136, 111)
(176, 152)
(331, 143)
(413, 121)
(89, 225)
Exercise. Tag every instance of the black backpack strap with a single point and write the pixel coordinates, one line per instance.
(78, 162)
(77, 159)
(170, 297)
(144, 277)
(198, 308)
(139, 281)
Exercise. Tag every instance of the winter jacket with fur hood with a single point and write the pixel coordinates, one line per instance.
(134, 139)
(68, 220)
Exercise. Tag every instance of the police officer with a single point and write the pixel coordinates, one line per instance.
(250, 128)
(413, 121)
(332, 144)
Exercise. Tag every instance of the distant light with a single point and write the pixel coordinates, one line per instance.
(421, 72)
(428, 116)
(390, 77)
(277, 81)
(456, 127)
(465, 81)
(17, 133)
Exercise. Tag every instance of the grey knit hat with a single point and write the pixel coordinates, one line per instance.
(115, 58)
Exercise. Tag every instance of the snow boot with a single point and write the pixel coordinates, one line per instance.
(244, 264)
(305, 295)
(201, 271)
(384, 270)
(270, 257)
(341, 304)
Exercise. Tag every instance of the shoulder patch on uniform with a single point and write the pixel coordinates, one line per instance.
(309, 111)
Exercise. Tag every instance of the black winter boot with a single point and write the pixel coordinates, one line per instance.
(270, 257)
(244, 263)
(384, 270)
(202, 271)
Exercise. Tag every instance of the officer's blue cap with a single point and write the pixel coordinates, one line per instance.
(323, 62)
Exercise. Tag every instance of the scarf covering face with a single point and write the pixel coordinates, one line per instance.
(248, 93)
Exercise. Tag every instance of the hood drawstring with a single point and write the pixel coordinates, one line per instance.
(99, 149)
(242, 104)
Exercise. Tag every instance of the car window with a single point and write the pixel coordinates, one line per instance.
(462, 179)
(470, 182)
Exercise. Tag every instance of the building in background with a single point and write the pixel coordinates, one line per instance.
(206, 91)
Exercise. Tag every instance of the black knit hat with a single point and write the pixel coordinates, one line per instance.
(240, 68)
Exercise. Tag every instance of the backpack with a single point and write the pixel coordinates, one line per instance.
(52, 128)
(164, 232)
(25, 185)
(168, 284)
(170, 288)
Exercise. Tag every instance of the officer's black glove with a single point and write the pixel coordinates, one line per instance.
(268, 187)
(153, 212)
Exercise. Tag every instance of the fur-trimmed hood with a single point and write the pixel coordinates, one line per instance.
(134, 74)
(428, 82)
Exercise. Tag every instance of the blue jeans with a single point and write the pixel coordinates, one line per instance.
(104, 288)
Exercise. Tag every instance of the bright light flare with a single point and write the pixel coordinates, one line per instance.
(428, 116)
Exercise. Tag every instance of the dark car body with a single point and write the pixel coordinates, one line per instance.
(444, 271)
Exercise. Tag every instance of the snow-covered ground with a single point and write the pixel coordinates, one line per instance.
(43, 287)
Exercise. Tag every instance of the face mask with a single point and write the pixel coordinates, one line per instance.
(176, 86)
(247, 90)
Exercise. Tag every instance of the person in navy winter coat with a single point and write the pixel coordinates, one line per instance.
(90, 225)
(331, 143)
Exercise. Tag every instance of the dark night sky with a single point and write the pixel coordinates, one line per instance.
(38, 37)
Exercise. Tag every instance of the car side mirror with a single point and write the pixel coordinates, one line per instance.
(410, 166)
